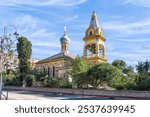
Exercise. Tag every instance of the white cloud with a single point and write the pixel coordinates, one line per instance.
(19, 3)
(46, 44)
(68, 18)
(38, 31)
(129, 28)
(28, 25)
(42, 53)
(134, 40)
(144, 3)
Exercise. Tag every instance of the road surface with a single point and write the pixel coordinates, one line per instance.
(32, 95)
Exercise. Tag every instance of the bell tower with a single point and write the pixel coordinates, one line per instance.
(94, 48)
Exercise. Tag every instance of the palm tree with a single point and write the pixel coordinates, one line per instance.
(140, 70)
(147, 66)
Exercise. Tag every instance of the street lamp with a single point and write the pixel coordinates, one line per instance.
(4, 39)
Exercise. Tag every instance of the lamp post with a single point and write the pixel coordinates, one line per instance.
(3, 43)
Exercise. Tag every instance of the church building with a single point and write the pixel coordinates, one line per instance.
(94, 51)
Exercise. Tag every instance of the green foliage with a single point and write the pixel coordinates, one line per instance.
(30, 79)
(79, 67)
(41, 79)
(24, 49)
(56, 82)
(143, 85)
(119, 64)
(143, 69)
(10, 78)
(14, 82)
(123, 83)
(101, 74)
(127, 70)
(79, 80)
(40, 76)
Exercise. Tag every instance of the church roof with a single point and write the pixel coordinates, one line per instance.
(58, 56)
(94, 20)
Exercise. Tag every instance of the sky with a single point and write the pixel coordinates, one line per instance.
(126, 25)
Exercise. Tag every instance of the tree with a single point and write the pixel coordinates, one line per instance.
(143, 69)
(127, 70)
(24, 49)
(80, 79)
(79, 67)
(140, 70)
(101, 74)
(146, 66)
(119, 64)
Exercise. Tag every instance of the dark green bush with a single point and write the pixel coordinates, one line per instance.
(143, 85)
(14, 82)
(56, 83)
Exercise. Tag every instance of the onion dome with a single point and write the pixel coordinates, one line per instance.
(65, 38)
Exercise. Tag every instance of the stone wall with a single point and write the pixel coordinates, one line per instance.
(90, 92)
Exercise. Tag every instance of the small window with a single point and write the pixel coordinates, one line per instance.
(53, 71)
(91, 33)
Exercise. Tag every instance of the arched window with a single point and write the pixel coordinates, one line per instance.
(101, 50)
(53, 71)
(91, 33)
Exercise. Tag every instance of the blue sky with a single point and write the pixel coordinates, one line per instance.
(126, 25)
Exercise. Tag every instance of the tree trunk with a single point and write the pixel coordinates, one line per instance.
(24, 81)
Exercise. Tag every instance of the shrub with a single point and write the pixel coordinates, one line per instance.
(101, 74)
(30, 79)
(58, 83)
(143, 85)
(123, 82)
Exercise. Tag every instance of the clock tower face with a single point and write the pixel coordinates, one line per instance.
(94, 48)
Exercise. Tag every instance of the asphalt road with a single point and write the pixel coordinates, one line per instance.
(32, 95)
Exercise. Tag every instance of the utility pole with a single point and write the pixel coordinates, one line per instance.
(3, 42)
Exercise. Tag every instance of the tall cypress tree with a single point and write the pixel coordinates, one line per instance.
(24, 49)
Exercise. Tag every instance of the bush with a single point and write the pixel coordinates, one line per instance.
(143, 85)
(79, 80)
(101, 74)
(123, 83)
(30, 79)
(64, 83)
(58, 83)
(14, 82)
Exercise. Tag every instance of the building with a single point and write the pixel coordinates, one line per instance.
(57, 65)
(94, 51)
(94, 48)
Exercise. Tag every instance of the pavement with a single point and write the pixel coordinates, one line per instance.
(32, 95)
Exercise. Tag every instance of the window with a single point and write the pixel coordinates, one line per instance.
(53, 71)
(49, 71)
(101, 50)
(91, 33)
